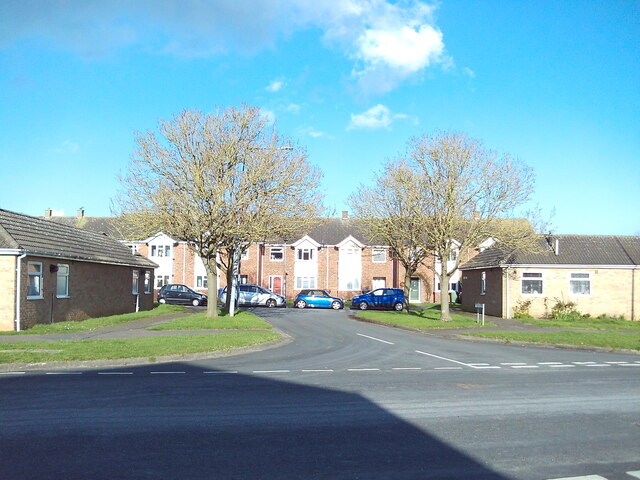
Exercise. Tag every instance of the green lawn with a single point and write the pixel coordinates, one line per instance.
(423, 319)
(148, 347)
(589, 323)
(242, 320)
(611, 340)
(94, 323)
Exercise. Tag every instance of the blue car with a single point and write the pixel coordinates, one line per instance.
(314, 298)
(380, 298)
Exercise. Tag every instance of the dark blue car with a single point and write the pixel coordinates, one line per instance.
(380, 298)
(316, 298)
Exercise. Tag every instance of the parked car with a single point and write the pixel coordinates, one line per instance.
(249, 294)
(180, 294)
(380, 298)
(315, 298)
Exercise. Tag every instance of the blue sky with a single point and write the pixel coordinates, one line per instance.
(554, 83)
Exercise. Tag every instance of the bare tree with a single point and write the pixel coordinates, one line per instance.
(455, 194)
(219, 181)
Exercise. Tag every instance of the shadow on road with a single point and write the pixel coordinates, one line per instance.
(196, 425)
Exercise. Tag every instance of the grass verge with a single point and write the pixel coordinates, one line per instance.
(85, 350)
(94, 323)
(605, 323)
(610, 340)
(242, 320)
(425, 319)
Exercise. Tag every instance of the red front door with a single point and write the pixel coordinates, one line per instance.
(276, 284)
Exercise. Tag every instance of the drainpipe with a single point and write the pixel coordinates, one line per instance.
(19, 289)
(507, 293)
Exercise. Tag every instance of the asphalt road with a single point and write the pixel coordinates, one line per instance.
(344, 400)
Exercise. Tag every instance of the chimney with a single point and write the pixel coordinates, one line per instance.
(345, 214)
(557, 247)
(80, 212)
(47, 213)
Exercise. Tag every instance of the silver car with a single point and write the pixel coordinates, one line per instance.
(255, 295)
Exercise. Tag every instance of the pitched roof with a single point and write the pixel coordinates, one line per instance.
(37, 236)
(600, 250)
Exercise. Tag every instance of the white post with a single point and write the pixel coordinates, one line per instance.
(234, 283)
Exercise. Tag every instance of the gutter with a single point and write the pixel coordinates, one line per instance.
(19, 288)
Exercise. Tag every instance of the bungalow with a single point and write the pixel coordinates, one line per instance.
(50, 272)
(599, 274)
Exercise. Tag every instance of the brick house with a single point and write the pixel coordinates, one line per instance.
(50, 272)
(600, 274)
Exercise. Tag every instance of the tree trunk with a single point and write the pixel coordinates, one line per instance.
(212, 286)
(445, 315)
(407, 287)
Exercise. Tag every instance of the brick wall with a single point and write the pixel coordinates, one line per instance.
(95, 290)
(492, 298)
(7, 286)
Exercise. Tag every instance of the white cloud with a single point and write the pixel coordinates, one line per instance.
(275, 86)
(468, 72)
(67, 147)
(268, 115)
(389, 41)
(294, 108)
(377, 117)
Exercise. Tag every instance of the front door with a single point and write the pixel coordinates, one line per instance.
(275, 284)
(414, 296)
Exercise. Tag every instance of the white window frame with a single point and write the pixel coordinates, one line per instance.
(153, 251)
(378, 251)
(202, 281)
(532, 276)
(60, 274)
(305, 282)
(579, 279)
(273, 250)
(147, 281)
(135, 282)
(39, 276)
(300, 254)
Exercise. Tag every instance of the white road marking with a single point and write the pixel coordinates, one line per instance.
(562, 366)
(448, 368)
(583, 477)
(442, 358)
(406, 368)
(63, 373)
(363, 369)
(12, 373)
(166, 373)
(226, 372)
(549, 363)
(478, 364)
(582, 363)
(272, 371)
(525, 366)
(635, 473)
(484, 368)
(374, 338)
(511, 364)
(598, 365)
(318, 370)
(115, 373)
(615, 363)
(630, 365)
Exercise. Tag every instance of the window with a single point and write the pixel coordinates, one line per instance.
(201, 281)
(134, 248)
(378, 282)
(244, 279)
(276, 254)
(147, 281)
(244, 255)
(62, 281)
(153, 250)
(305, 254)
(35, 280)
(161, 250)
(532, 283)
(580, 284)
(379, 255)
(134, 282)
(483, 283)
(162, 280)
(305, 282)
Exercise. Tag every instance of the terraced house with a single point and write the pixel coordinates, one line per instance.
(50, 272)
(337, 255)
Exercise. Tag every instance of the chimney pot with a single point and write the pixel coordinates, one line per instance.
(80, 212)
(47, 212)
(345, 214)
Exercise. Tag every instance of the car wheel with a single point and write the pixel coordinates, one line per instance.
(162, 300)
(398, 306)
(336, 305)
(271, 303)
(363, 305)
(301, 304)
(195, 302)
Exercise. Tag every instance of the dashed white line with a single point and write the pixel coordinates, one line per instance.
(597, 365)
(635, 473)
(550, 363)
(221, 372)
(630, 365)
(374, 338)
(583, 477)
(583, 363)
(448, 368)
(562, 366)
(363, 369)
(442, 358)
(12, 373)
(484, 368)
(525, 366)
(167, 373)
(512, 364)
(272, 371)
(318, 370)
(63, 373)
(115, 373)
(406, 368)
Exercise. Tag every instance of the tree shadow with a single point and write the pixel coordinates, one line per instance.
(129, 423)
